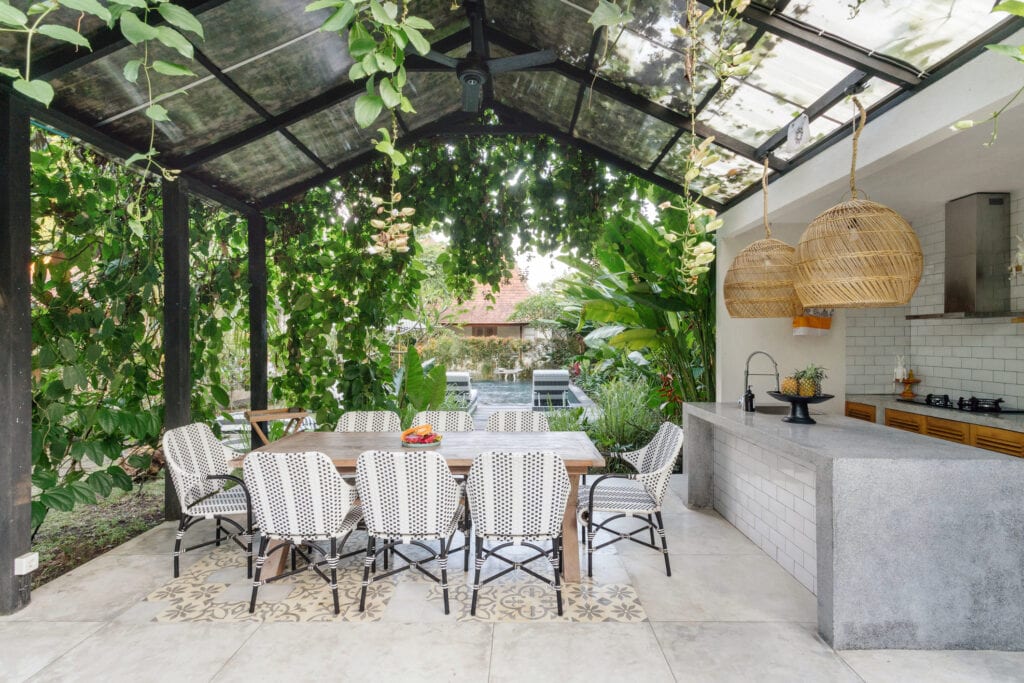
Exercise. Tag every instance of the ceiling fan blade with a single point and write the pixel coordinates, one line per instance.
(471, 93)
(517, 62)
(442, 59)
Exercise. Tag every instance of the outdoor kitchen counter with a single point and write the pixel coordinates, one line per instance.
(1012, 422)
(908, 541)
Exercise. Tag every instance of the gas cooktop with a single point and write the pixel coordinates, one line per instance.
(970, 405)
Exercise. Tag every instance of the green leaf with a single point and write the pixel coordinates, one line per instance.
(82, 493)
(1013, 51)
(220, 395)
(120, 477)
(65, 34)
(38, 514)
(58, 499)
(89, 7)
(421, 44)
(388, 94)
(1011, 6)
(73, 376)
(418, 23)
(134, 30)
(44, 479)
(101, 482)
(356, 72)
(131, 70)
(40, 91)
(175, 15)
(301, 304)
(382, 16)
(635, 340)
(174, 40)
(140, 462)
(386, 63)
(360, 42)
(609, 14)
(137, 4)
(9, 72)
(67, 349)
(340, 18)
(368, 108)
(171, 69)
(157, 113)
(12, 16)
(324, 4)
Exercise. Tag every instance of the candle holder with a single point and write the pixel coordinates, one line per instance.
(908, 387)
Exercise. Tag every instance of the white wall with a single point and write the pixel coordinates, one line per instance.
(737, 338)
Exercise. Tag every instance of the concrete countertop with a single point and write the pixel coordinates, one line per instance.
(1014, 423)
(834, 437)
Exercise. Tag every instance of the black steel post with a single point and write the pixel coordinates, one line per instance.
(177, 328)
(257, 315)
(15, 352)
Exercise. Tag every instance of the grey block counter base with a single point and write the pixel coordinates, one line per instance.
(917, 543)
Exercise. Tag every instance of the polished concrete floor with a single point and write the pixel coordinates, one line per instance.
(728, 613)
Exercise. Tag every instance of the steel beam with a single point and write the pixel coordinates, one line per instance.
(177, 327)
(595, 41)
(15, 351)
(257, 238)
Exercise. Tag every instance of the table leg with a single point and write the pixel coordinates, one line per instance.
(277, 563)
(570, 539)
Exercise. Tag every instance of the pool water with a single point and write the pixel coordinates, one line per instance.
(507, 393)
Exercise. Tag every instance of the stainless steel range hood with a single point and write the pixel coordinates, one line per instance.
(978, 254)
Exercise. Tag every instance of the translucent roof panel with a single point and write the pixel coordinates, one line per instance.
(785, 80)
(546, 95)
(261, 167)
(551, 24)
(627, 132)
(433, 94)
(240, 30)
(731, 172)
(921, 32)
(333, 134)
(12, 45)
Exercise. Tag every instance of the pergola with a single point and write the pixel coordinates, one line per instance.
(268, 115)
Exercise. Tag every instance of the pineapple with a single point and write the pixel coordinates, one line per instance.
(791, 384)
(809, 382)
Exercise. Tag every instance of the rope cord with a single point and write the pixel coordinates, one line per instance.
(859, 126)
(764, 193)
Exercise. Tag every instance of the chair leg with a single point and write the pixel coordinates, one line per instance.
(650, 521)
(664, 542)
(220, 531)
(248, 542)
(332, 561)
(443, 561)
(264, 542)
(590, 543)
(370, 554)
(467, 525)
(556, 562)
(476, 576)
(177, 542)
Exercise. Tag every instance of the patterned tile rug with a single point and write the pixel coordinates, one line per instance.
(215, 589)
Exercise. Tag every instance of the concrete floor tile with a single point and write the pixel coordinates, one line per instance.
(577, 652)
(728, 652)
(150, 652)
(719, 588)
(26, 648)
(691, 532)
(934, 666)
(364, 652)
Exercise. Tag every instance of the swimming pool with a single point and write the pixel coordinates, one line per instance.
(508, 393)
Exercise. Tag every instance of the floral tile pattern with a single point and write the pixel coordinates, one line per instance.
(215, 589)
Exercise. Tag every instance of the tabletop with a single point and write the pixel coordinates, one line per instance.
(458, 448)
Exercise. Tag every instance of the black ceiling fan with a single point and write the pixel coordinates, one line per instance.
(476, 68)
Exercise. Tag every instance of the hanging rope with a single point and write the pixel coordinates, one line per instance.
(764, 193)
(861, 120)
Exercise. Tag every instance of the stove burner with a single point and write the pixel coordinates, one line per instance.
(939, 401)
(980, 405)
(970, 405)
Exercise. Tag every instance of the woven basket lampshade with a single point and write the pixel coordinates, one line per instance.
(759, 283)
(858, 254)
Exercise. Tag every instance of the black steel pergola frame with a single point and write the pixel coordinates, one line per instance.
(17, 113)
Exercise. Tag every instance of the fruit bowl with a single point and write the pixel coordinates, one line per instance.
(436, 441)
(798, 413)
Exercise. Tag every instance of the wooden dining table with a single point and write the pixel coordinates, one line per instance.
(459, 449)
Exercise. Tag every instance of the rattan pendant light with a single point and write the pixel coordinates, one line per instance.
(858, 254)
(759, 283)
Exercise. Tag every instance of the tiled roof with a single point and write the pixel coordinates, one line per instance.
(480, 311)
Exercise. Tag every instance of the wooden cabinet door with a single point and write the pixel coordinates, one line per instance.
(909, 422)
(950, 430)
(860, 411)
(999, 440)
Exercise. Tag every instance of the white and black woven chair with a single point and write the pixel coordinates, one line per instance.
(300, 499)
(445, 420)
(198, 465)
(518, 499)
(638, 495)
(369, 421)
(517, 421)
(408, 499)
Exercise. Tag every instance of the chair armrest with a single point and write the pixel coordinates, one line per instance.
(597, 482)
(239, 482)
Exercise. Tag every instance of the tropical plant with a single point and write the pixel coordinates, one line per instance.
(567, 420)
(625, 420)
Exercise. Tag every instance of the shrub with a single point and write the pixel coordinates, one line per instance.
(626, 421)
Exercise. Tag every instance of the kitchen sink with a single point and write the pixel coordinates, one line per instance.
(772, 410)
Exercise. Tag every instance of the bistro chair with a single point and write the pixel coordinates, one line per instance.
(369, 421)
(302, 501)
(445, 420)
(638, 495)
(198, 464)
(518, 499)
(407, 499)
(517, 421)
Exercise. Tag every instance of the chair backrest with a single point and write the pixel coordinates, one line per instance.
(517, 421)
(369, 421)
(296, 495)
(518, 495)
(192, 453)
(657, 458)
(407, 495)
(445, 420)
(458, 382)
